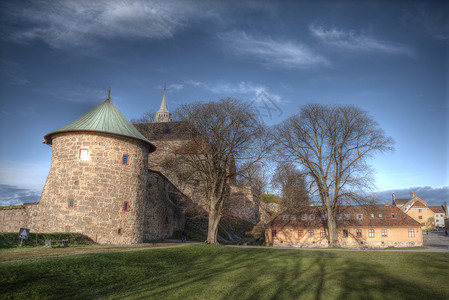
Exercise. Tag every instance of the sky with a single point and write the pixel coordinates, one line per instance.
(390, 58)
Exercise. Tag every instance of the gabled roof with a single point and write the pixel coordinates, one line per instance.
(437, 209)
(418, 204)
(165, 131)
(401, 201)
(105, 117)
(400, 219)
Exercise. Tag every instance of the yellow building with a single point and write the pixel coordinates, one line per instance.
(428, 216)
(359, 226)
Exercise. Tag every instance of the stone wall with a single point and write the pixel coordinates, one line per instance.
(244, 204)
(14, 218)
(369, 245)
(99, 187)
(164, 208)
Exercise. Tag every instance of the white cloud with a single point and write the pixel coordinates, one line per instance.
(242, 88)
(351, 40)
(64, 24)
(287, 54)
(433, 195)
(175, 87)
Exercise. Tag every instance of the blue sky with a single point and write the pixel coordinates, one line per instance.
(58, 58)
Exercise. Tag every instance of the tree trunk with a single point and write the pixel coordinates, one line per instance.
(214, 220)
(332, 227)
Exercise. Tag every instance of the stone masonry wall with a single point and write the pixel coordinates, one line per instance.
(99, 187)
(164, 208)
(12, 219)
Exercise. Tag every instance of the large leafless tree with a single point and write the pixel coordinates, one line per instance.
(333, 144)
(225, 140)
(291, 182)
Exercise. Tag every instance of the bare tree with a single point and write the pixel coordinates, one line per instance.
(222, 134)
(254, 177)
(147, 117)
(290, 181)
(333, 144)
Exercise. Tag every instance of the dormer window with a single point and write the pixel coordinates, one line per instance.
(304, 217)
(312, 217)
(338, 216)
(286, 217)
(393, 216)
(380, 216)
(359, 216)
(323, 217)
(347, 216)
(125, 159)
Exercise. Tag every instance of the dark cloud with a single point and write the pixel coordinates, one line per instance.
(434, 196)
(13, 195)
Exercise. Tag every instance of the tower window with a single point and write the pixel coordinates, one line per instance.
(126, 206)
(84, 154)
(71, 203)
(67, 228)
(165, 149)
(125, 159)
(119, 231)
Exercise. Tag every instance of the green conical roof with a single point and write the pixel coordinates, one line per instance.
(103, 118)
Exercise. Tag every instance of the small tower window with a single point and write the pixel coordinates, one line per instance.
(119, 231)
(125, 159)
(67, 228)
(71, 203)
(126, 206)
(84, 154)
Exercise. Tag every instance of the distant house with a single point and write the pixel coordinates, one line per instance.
(359, 226)
(428, 216)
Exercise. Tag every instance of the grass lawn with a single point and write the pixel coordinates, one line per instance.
(201, 271)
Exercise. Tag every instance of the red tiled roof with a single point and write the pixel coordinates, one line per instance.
(401, 201)
(400, 219)
(437, 209)
(418, 204)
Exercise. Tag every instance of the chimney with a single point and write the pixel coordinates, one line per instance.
(445, 205)
(386, 201)
(394, 198)
(412, 194)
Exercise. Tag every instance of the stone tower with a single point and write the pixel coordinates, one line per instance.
(97, 182)
(163, 115)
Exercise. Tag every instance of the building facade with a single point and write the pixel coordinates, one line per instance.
(429, 217)
(359, 226)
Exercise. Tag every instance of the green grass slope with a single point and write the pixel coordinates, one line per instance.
(215, 272)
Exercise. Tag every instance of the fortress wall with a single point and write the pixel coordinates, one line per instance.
(164, 208)
(243, 203)
(99, 187)
(14, 218)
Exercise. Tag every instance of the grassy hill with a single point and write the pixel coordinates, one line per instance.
(269, 198)
(200, 271)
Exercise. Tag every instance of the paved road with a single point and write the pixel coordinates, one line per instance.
(436, 241)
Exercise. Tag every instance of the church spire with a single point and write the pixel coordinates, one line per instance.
(163, 115)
